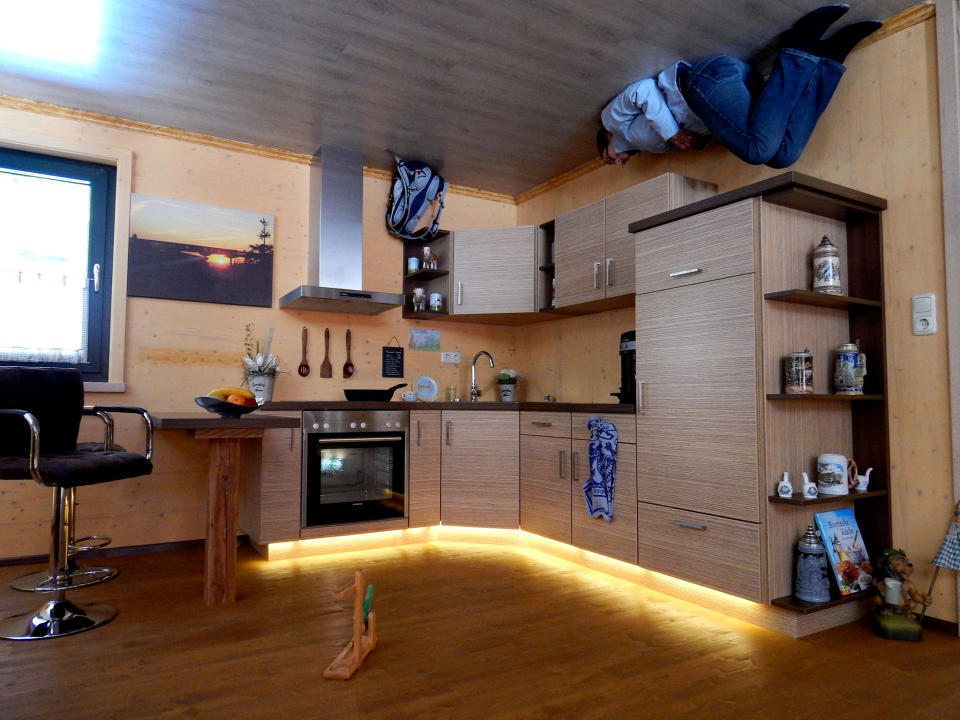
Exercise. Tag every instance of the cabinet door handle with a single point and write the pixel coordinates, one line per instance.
(681, 273)
(609, 273)
(449, 432)
(640, 396)
(96, 277)
(459, 293)
(562, 453)
(540, 423)
(574, 458)
(596, 276)
(692, 526)
(419, 433)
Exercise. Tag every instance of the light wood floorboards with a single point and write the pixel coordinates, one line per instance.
(466, 631)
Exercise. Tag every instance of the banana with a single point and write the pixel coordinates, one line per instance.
(222, 393)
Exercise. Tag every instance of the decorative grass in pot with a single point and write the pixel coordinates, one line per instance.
(259, 368)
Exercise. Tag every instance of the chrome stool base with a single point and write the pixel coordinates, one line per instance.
(56, 618)
(77, 576)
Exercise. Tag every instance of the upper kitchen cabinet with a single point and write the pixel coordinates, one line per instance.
(494, 270)
(483, 274)
(594, 264)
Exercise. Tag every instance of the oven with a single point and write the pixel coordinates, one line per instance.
(354, 466)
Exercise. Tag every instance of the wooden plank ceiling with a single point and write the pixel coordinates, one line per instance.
(500, 95)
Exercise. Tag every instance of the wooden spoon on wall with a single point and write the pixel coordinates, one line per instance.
(348, 368)
(304, 368)
(326, 369)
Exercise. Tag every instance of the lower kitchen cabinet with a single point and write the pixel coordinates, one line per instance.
(705, 549)
(269, 508)
(616, 538)
(423, 483)
(480, 468)
(545, 486)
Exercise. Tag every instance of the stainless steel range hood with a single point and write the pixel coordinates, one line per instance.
(335, 250)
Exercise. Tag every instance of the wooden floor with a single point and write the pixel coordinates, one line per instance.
(466, 631)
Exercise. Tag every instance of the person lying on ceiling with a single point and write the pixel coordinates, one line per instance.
(761, 122)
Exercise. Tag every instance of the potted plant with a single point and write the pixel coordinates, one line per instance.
(259, 368)
(507, 382)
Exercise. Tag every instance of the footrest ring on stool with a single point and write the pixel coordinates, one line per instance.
(85, 544)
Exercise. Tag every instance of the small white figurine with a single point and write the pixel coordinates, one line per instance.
(863, 481)
(809, 487)
(785, 487)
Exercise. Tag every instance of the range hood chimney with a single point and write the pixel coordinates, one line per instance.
(335, 249)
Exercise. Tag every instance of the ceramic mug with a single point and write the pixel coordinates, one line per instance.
(832, 474)
(410, 396)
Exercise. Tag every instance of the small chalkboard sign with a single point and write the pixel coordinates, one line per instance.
(392, 362)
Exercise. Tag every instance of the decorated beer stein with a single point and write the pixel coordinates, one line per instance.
(850, 365)
(826, 268)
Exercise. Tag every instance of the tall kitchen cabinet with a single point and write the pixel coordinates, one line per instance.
(593, 252)
(723, 293)
(488, 272)
(480, 468)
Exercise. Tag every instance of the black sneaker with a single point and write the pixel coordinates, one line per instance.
(837, 46)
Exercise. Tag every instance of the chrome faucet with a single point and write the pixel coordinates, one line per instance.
(474, 388)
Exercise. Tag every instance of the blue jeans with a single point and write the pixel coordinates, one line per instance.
(762, 123)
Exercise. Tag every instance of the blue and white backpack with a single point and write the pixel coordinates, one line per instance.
(415, 187)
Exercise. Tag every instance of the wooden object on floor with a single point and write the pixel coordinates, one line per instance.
(223, 478)
(364, 631)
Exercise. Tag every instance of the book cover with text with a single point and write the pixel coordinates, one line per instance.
(846, 550)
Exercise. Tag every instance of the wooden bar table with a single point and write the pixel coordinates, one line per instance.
(223, 487)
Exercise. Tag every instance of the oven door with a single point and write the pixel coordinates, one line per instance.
(355, 477)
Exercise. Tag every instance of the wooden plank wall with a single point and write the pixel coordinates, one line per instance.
(880, 135)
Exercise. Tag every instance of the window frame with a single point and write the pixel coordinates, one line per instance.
(102, 184)
(122, 159)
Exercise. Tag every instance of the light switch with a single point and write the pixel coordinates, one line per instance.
(923, 309)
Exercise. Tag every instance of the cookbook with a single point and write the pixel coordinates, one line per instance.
(846, 550)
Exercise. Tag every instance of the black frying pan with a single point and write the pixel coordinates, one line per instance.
(373, 395)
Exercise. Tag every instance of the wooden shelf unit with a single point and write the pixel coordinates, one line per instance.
(799, 499)
(430, 280)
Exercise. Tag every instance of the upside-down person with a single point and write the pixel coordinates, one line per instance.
(761, 122)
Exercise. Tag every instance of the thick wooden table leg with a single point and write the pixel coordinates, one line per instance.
(220, 573)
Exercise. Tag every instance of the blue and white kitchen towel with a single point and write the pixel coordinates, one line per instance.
(598, 489)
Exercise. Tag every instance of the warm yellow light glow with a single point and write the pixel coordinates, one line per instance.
(218, 259)
(540, 548)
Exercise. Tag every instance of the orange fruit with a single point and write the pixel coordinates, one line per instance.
(236, 399)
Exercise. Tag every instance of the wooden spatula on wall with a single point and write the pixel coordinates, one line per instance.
(348, 368)
(326, 369)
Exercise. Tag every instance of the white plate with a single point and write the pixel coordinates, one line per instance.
(427, 387)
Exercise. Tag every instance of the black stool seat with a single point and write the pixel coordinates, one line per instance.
(79, 468)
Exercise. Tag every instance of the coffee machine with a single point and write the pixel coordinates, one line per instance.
(628, 368)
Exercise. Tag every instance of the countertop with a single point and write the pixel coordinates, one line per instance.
(599, 408)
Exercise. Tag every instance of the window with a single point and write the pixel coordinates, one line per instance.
(56, 258)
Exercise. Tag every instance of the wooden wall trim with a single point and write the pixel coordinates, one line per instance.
(948, 71)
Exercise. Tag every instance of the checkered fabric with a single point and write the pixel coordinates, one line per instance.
(949, 555)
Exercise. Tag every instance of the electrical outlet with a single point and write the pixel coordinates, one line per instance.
(923, 311)
(450, 357)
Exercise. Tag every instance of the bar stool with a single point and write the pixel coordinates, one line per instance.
(39, 425)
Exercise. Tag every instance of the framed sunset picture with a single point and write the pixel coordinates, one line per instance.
(187, 251)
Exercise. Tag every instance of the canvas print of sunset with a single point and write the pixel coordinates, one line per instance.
(187, 251)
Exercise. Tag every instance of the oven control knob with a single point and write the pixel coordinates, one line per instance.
(326, 426)
(388, 424)
(363, 425)
(353, 425)
(316, 426)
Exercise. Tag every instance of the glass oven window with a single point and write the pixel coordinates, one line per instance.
(353, 479)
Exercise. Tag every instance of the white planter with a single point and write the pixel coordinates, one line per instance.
(507, 392)
(262, 387)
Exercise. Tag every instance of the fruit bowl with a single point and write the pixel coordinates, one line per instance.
(223, 408)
